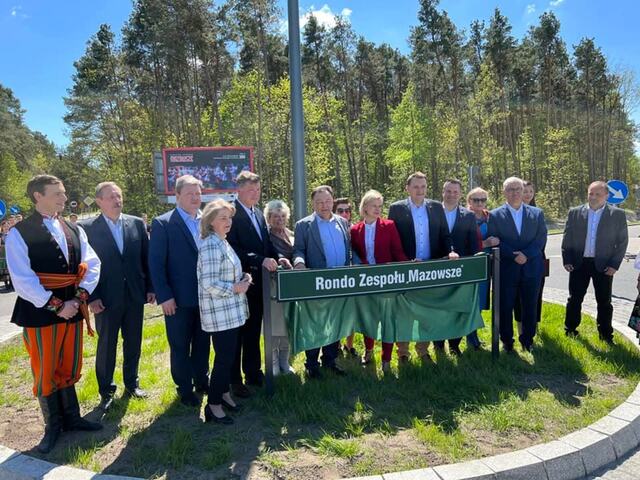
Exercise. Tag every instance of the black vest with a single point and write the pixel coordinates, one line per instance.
(45, 256)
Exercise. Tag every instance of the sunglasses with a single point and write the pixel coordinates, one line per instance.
(479, 200)
(343, 210)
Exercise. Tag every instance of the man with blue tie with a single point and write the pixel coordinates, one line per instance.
(523, 236)
(122, 244)
(173, 257)
(593, 246)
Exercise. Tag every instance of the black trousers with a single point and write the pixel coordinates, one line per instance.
(225, 344)
(126, 318)
(329, 355)
(578, 284)
(189, 346)
(247, 354)
(517, 310)
(511, 289)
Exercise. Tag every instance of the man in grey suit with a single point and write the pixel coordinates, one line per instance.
(122, 245)
(322, 241)
(594, 243)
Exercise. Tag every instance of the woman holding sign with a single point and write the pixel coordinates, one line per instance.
(374, 241)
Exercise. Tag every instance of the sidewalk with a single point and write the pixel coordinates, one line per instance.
(7, 329)
(627, 468)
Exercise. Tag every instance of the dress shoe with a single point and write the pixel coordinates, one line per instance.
(335, 369)
(232, 408)
(202, 389)
(608, 340)
(527, 348)
(352, 352)
(190, 400)
(135, 393)
(314, 373)
(256, 381)
(240, 390)
(366, 358)
(455, 350)
(426, 358)
(386, 367)
(106, 402)
(508, 347)
(210, 417)
(403, 359)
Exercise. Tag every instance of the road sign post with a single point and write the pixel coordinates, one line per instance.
(3, 209)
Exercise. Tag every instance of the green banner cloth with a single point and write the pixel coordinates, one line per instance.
(416, 315)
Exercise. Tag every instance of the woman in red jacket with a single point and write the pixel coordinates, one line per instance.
(374, 241)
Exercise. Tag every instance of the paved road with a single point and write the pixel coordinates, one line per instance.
(7, 329)
(624, 282)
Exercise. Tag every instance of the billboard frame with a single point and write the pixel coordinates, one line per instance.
(168, 192)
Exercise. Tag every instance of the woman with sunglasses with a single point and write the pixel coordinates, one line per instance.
(342, 207)
(477, 202)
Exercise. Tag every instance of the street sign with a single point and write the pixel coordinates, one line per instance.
(14, 209)
(3, 209)
(73, 204)
(88, 201)
(618, 191)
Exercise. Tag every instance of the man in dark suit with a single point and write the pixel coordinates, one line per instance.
(594, 243)
(321, 240)
(424, 235)
(465, 236)
(523, 236)
(173, 257)
(250, 240)
(122, 245)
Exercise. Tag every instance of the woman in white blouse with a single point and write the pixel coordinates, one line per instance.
(223, 304)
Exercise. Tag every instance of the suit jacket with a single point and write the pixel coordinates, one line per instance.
(465, 236)
(250, 248)
(122, 273)
(218, 269)
(531, 241)
(387, 244)
(307, 246)
(612, 237)
(173, 255)
(439, 238)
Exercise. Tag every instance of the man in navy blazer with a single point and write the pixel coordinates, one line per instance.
(121, 243)
(321, 240)
(523, 235)
(593, 246)
(465, 236)
(173, 257)
(250, 239)
(424, 234)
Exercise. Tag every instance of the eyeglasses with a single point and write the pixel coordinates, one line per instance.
(343, 210)
(513, 189)
(479, 200)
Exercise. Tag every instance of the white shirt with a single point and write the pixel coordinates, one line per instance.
(593, 220)
(25, 281)
(517, 216)
(451, 217)
(117, 230)
(370, 241)
(421, 230)
(252, 216)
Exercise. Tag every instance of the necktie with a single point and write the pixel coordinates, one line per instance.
(254, 220)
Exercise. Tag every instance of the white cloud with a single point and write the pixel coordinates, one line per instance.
(555, 3)
(16, 12)
(531, 8)
(324, 16)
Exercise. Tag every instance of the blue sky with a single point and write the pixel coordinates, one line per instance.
(40, 39)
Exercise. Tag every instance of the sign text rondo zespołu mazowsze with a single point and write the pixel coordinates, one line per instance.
(368, 279)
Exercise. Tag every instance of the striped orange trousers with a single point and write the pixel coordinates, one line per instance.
(55, 352)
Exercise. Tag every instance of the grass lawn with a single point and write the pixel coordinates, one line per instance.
(362, 424)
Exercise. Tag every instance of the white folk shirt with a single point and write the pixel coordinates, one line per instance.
(593, 220)
(25, 281)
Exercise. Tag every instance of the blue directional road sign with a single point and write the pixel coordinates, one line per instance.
(14, 209)
(3, 209)
(618, 191)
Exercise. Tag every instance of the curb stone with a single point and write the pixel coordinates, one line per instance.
(571, 457)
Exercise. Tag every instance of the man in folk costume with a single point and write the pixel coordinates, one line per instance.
(54, 270)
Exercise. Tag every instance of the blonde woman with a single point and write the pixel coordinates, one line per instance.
(223, 303)
(277, 213)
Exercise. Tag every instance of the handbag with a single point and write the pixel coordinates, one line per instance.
(634, 320)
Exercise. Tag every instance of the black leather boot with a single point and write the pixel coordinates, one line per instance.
(71, 419)
(52, 422)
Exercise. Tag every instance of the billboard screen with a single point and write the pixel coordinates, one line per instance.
(216, 167)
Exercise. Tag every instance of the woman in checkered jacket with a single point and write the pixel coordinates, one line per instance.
(223, 304)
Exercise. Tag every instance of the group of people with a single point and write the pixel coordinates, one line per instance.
(204, 269)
